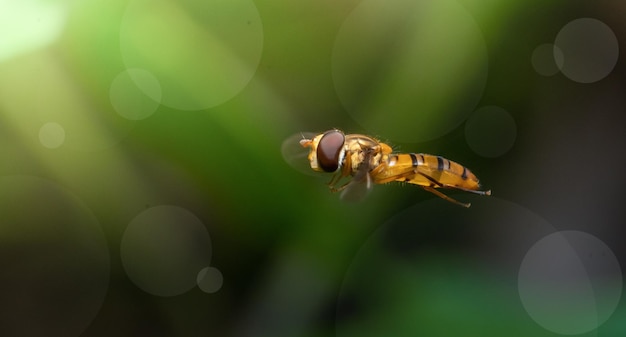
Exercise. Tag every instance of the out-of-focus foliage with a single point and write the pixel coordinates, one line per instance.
(147, 186)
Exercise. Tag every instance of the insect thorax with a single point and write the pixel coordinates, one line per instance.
(362, 149)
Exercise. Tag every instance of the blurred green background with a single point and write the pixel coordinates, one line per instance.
(152, 182)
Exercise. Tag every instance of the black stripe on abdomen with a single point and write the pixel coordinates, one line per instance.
(440, 163)
(414, 159)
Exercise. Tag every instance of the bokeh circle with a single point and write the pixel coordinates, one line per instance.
(437, 269)
(491, 131)
(163, 250)
(570, 282)
(55, 260)
(590, 50)
(202, 53)
(410, 70)
(52, 135)
(210, 279)
(547, 59)
(128, 100)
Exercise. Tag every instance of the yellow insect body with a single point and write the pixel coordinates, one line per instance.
(366, 159)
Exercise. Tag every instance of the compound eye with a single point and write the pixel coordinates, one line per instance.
(328, 150)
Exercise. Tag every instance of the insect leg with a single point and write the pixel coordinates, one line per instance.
(434, 181)
(431, 179)
(333, 180)
(441, 195)
(340, 188)
(344, 172)
(336, 179)
(361, 175)
(488, 192)
(445, 197)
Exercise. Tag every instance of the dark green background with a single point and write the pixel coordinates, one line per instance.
(297, 261)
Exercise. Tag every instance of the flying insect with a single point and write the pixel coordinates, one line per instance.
(366, 161)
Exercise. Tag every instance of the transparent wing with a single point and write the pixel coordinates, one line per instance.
(359, 186)
(295, 155)
(356, 191)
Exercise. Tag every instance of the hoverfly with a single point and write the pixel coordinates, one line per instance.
(367, 161)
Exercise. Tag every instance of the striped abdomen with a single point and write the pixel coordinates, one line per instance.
(428, 170)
